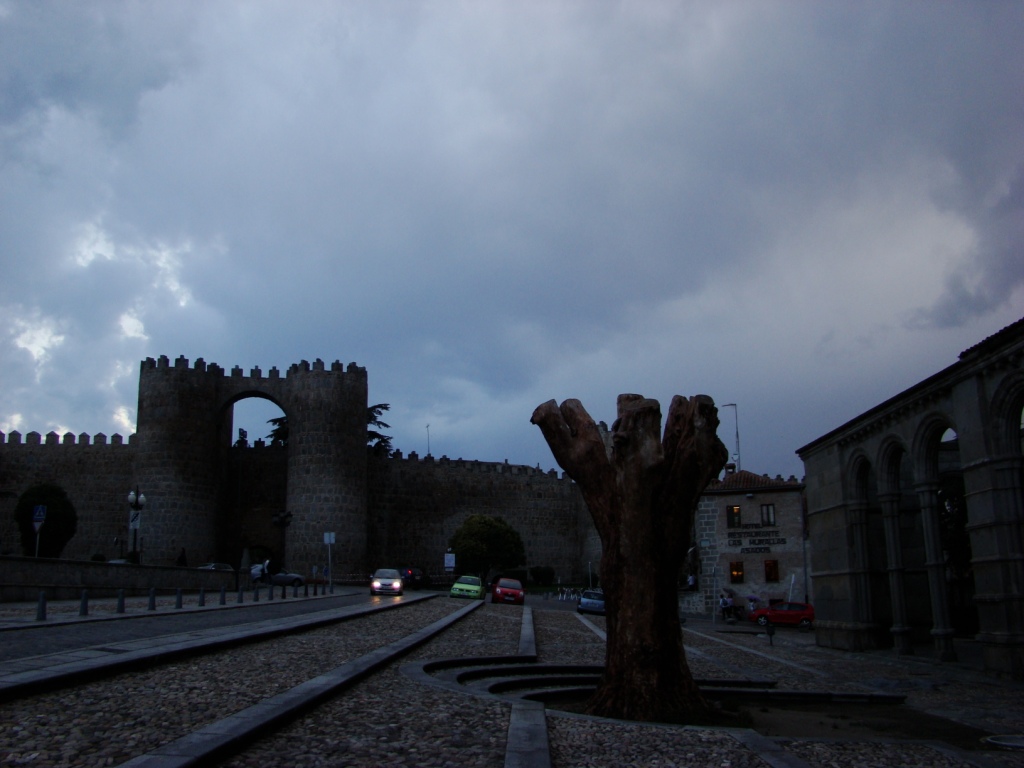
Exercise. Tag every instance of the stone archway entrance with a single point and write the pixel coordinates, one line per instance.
(254, 485)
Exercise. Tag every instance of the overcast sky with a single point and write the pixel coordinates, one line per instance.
(802, 208)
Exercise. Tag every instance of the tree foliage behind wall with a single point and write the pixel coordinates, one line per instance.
(59, 527)
(484, 543)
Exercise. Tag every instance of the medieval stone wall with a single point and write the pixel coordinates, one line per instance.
(94, 472)
(416, 505)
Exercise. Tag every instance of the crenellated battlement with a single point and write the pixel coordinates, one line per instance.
(201, 366)
(481, 467)
(68, 439)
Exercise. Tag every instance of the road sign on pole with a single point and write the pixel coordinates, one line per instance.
(38, 518)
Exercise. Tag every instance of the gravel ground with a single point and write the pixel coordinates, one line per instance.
(388, 720)
(110, 721)
(593, 743)
(391, 720)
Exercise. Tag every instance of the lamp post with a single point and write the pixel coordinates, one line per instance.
(136, 501)
(736, 408)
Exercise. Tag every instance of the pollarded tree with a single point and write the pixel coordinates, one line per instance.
(642, 493)
(60, 524)
(483, 543)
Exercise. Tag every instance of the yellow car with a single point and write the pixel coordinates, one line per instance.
(468, 586)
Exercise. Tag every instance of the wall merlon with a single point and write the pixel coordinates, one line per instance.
(181, 362)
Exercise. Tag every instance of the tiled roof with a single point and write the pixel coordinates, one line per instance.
(996, 339)
(748, 481)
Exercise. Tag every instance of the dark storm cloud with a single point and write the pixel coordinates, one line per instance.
(798, 208)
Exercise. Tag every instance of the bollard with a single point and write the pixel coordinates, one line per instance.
(177, 598)
(295, 590)
(314, 588)
(41, 607)
(770, 630)
(306, 592)
(256, 593)
(241, 595)
(284, 591)
(202, 596)
(270, 591)
(152, 599)
(120, 601)
(223, 596)
(83, 606)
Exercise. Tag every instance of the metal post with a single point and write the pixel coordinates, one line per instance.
(202, 596)
(41, 607)
(120, 601)
(152, 599)
(83, 606)
(224, 596)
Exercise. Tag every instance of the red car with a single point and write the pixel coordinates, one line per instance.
(796, 614)
(508, 591)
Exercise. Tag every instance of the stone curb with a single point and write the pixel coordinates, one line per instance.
(223, 737)
(21, 679)
(8, 624)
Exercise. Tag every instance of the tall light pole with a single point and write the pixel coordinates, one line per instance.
(136, 501)
(736, 408)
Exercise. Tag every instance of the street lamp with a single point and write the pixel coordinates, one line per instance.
(136, 501)
(736, 408)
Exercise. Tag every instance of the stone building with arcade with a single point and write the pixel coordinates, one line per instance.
(916, 514)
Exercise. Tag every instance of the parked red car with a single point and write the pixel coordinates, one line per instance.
(795, 614)
(508, 591)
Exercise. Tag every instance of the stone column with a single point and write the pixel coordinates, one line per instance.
(860, 577)
(994, 521)
(894, 555)
(942, 629)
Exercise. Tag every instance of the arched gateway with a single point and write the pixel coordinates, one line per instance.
(182, 458)
(916, 516)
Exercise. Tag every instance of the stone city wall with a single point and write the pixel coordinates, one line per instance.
(94, 472)
(418, 504)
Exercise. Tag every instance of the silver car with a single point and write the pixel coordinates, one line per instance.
(386, 581)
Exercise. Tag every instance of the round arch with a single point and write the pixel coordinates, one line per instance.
(890, 464)
(859, 477)
(1007, 406)
(925, 450)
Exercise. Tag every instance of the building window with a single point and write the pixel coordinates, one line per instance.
(771, 570)
(732, 517)
(736, 571)
(768, 515)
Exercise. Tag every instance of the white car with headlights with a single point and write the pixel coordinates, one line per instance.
(386, 581)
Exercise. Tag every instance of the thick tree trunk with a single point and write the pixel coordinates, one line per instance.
(642, 495)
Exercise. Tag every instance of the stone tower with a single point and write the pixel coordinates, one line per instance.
(184, 434)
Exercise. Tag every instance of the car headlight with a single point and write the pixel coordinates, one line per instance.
(375, 584)
(396, 585)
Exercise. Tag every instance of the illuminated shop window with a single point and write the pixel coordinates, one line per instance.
(732, 517)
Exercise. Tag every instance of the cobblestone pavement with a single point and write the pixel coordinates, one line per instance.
(391, 720)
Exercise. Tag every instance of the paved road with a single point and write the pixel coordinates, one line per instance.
(59, 635)
(23, 637)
